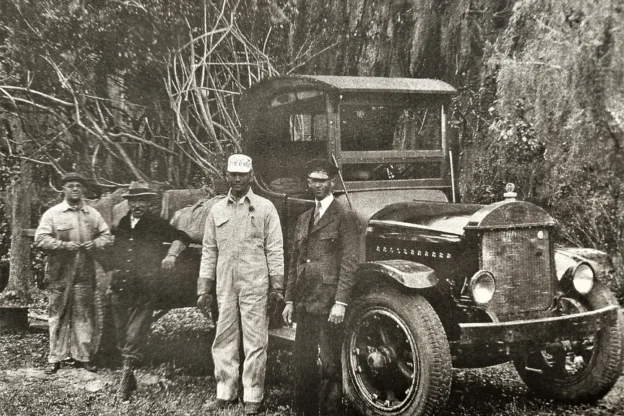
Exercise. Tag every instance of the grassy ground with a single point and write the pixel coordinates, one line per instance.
(177, 380)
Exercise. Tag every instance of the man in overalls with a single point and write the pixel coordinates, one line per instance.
(243, 250)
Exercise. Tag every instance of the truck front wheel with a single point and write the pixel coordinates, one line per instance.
(579, 372)
(395, 356)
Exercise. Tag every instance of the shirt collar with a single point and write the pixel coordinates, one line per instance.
(326, 202)
(249, 197)
(66, 207)
(133, 221)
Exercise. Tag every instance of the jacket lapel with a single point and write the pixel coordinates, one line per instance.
(305, 222)
(327, 217)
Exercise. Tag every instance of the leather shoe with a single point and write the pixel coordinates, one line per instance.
(86, 365)
(219, 404)
(52, 368)
(252, 408)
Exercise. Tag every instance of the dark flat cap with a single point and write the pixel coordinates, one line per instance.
(321, 169)
(73, 177)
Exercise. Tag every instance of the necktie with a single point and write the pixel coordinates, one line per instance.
(317, 212)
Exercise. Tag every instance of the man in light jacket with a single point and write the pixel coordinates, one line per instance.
(70, 232)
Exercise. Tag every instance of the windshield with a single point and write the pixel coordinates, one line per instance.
(390, 142)
(378, 127)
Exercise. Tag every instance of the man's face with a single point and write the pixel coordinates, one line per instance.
(73, 191)
(139, 206)
(321, 188)
(239, 182)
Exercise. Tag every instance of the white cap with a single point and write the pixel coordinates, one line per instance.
(239, 163)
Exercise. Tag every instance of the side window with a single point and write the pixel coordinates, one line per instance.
(308, 128)
(308, 135)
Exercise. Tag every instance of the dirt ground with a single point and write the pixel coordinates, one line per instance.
(177, 380)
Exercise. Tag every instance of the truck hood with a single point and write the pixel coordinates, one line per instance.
(443, 217)
(456, 218)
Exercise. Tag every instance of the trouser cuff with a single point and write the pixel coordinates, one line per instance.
(225, 393)
(253, 395)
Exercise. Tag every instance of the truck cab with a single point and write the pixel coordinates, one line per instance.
(388, 136)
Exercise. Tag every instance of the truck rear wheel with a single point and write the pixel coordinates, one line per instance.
(585, 371)
(396, 357)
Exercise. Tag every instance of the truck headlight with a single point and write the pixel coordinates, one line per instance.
(482, 287)
(583, 278)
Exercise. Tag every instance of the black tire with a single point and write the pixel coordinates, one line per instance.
(591, 371)
(396, 343)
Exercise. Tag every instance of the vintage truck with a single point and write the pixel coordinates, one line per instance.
(439, 284)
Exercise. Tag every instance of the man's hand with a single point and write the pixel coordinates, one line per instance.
(288, 313)
(71, 245)
(336, 316)
(169, 262)
(88, 245)
(204, 304)
(276, 299)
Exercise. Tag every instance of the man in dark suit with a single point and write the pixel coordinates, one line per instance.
(136, 258)
(320, 280)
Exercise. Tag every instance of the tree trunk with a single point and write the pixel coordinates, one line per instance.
(397, 38)
(20, 275)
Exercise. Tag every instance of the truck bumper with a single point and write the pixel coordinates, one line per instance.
(539, 331)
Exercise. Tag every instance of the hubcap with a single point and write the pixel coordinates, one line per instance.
(384, 360)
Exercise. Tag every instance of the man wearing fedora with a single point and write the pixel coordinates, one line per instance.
(70, 232)
(243, 251)
(136, 259)
(320, 280)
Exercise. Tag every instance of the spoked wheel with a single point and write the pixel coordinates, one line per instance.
(580, 371)
(396, 357)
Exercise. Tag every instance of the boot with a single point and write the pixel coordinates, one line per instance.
(128, 382)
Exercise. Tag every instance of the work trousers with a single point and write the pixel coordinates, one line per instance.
(71, 323)
(316, 391)
(243, 312)
(133, 319)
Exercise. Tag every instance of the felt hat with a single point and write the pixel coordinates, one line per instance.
(139, 189)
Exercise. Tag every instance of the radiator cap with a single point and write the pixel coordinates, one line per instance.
(509, 194)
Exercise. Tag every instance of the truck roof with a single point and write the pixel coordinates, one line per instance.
(351, 84)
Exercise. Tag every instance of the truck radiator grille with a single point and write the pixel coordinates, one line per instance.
(521, 263)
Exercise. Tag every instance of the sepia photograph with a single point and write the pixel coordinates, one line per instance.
(311, 207)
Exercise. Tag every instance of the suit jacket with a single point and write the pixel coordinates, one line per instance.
(323, 260)
(137, 252)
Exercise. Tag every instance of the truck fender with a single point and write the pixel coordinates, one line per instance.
(407, 273)
(566, 258)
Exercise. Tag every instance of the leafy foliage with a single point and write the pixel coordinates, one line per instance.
(555, 118)
(95, 81)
